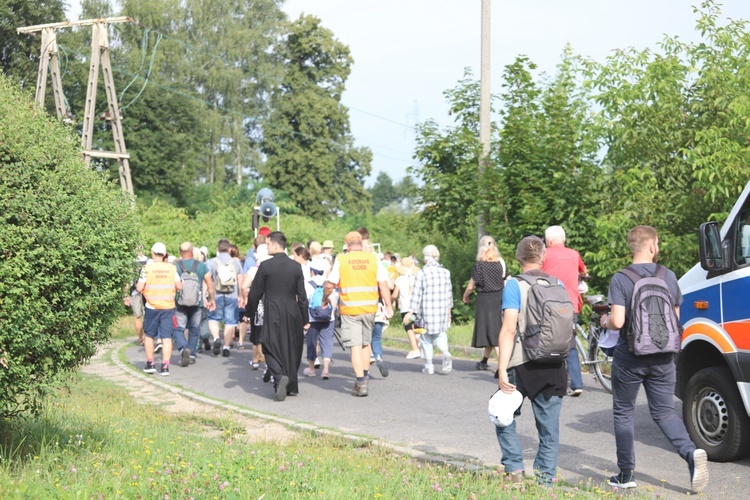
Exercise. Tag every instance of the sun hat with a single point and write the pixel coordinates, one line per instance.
(327, 244)
(406, 266)
(159, 248)
(502, 406)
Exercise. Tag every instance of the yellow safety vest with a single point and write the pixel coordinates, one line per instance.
(358, 283)
(160, 289)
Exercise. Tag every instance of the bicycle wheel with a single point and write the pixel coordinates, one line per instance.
(602, 363)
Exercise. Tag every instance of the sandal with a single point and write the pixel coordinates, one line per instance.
(325, 375)
(240, 346)
(308, 372)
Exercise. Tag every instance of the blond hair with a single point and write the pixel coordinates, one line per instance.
(315, 248)
(639, 237)
(488, 251)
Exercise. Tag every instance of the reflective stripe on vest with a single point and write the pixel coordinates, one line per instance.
(358, 283)
(160, 288)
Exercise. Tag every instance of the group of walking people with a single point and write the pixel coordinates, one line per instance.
(287, 298)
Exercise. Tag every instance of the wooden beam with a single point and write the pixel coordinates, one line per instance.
(70, 24)
(95, 153)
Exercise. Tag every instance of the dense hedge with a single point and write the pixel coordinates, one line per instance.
(67, 240)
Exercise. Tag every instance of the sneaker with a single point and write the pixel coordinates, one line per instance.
(225, 352)
(239, 347)
(150, 368)
(164, 370)
(447, 363)
(192, 359)
(325, 375)
(217, 346)
(428, 370)
(372, 360)
(317, 363)
(383, 369)
(698, 465)
(624, 481)
(360, 389)
(184, 357)
(482, 366)
(254, 365)
(413, 355)
(574, 393)
(157, 348)
(308, 372)
(206, 344)
(281, 388)
(266, 375)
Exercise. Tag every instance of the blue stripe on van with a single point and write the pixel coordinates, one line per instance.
(709, 294)
(736, 306)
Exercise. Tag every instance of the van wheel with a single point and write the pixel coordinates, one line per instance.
(715, 416)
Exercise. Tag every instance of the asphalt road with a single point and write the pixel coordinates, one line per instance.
(446, 415)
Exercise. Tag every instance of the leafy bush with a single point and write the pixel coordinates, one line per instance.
(67, 240)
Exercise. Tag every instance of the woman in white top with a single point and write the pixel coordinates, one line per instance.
(407, 271)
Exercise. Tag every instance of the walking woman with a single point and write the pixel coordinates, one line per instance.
(488, 278)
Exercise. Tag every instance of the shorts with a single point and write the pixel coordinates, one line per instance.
(226, 310)
(159, 323)
(408, 327)
(136, 304)
(357, 330)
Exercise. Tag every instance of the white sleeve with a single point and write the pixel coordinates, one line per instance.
(334, 275)
(382, 274)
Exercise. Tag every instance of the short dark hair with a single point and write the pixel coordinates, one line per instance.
(640, 236)
(223, 245)
(530, 250)
(234, 251)
(364, 232)
(277, 237)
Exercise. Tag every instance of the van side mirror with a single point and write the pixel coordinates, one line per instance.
(715, 256)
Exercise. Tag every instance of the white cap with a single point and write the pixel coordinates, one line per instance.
(204, 251)
(502, 406)
(159, 249)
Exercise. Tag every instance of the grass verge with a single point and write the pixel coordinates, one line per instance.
(94, 440)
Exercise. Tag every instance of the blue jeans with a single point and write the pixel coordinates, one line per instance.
(188, 318)
(574, 369)
(226, 310)
(657, 375)
(547, 416)
(377, 344)
(320, 331)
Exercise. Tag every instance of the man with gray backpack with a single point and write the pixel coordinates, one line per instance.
(189, 302)
(645, 304)
(534, 342)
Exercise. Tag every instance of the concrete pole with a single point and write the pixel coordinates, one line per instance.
(484, 113)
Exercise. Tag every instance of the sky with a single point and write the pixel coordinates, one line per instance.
(408, 52)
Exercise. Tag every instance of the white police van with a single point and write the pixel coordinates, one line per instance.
(713, 369)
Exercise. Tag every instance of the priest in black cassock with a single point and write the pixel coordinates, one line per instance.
(279, 282)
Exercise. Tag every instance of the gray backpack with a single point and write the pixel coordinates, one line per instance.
(190, 295)
(549, 319)
(652, 327)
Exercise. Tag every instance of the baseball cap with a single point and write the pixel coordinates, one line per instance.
(352, 237)
(159, 249)
(264, 231)
(502, 406)
(327, 244)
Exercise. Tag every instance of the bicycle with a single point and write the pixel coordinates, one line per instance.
(592, 355)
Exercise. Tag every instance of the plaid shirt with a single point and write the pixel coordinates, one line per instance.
(432, 297)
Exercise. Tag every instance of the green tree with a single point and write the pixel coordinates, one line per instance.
(67, 242)
(19, 54)
(383, 192)
(306, 139)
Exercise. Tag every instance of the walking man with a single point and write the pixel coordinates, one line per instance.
(431, 304)
(159, 282)
(566, 265)
(189, 308)
(279, 282)
(360, 279)
(226, 274)
(543, 383)
(656, 372)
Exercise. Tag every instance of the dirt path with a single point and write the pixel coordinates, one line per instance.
(148, 390)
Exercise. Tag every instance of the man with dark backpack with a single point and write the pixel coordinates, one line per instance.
(534, 342)
(189, 302)
(645, 300)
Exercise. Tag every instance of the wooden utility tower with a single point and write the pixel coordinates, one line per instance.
(99, 58)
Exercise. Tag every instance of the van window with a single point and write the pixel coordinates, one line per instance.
(742, 255)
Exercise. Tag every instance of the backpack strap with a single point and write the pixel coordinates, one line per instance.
(181, 265)
(661, 272)
(195, 267)
(531, 278)
(631, 274)
(313, 284)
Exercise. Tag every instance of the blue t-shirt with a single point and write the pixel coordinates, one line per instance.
(512, 294)
(249, 261)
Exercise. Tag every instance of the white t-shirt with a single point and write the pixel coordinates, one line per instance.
(405, 283)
